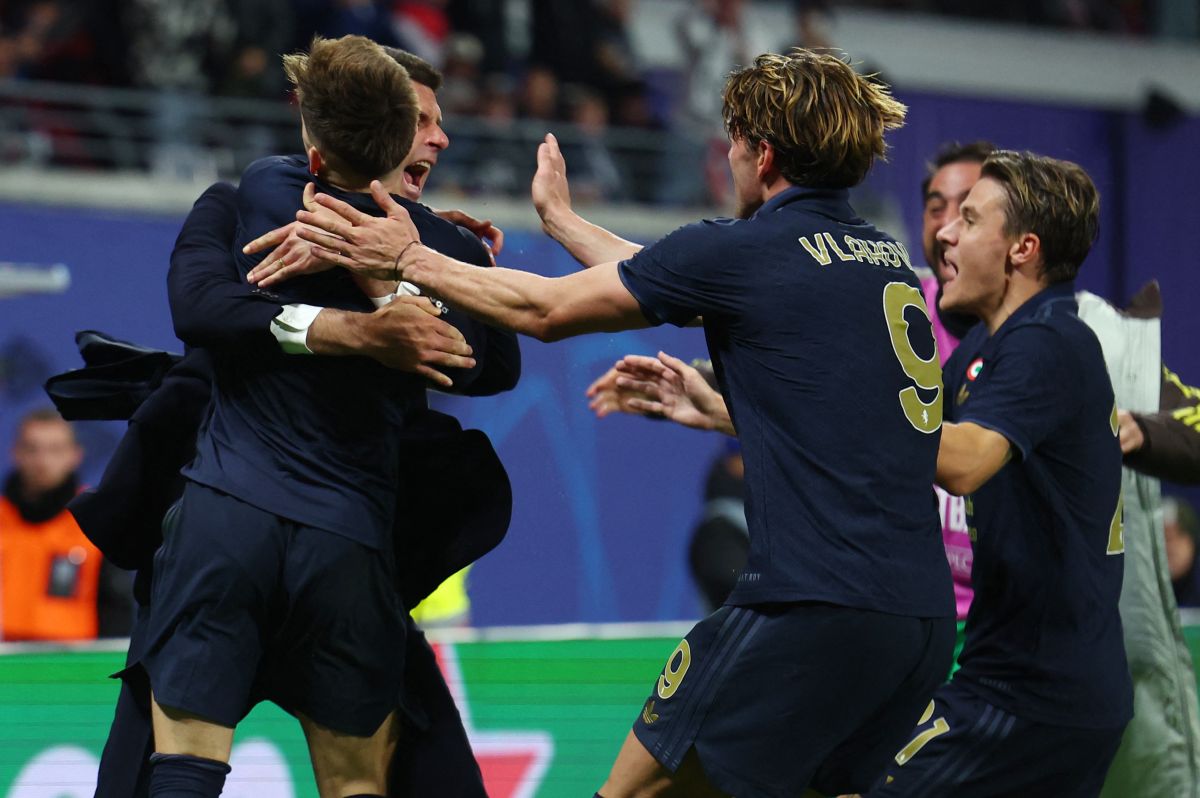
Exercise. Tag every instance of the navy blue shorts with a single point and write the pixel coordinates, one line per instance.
(968, 748)
(247, 606)
(779, 698)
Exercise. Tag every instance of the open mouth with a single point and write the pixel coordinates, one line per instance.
(415, 175)
(947, 270)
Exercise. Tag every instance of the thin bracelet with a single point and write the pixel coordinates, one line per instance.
(396, 264)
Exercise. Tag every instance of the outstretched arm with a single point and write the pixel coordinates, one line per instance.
(213, 307)
(588, 243)
(546, 308)
(662, 387)
(290, 256)
(496, 352)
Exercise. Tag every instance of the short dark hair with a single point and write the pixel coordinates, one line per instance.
(825, 121)
(357, 104)
(953, 152)
(418, 68)
(1055, 200)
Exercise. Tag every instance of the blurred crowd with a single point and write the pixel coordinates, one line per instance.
(510, 69)
(580, 62)
(1179, 19)
(228, 47)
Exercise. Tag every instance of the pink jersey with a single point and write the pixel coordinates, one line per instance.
(952, 508)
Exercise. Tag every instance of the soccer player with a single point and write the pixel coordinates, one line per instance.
(951, 174)
(1044, 692)
(1158, 751)
(842, 623)
(298, 459)
(138, 485)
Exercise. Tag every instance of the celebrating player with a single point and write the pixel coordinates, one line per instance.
(842, 623)
(300, 604)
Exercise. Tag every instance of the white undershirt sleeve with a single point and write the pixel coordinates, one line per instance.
(290, 328)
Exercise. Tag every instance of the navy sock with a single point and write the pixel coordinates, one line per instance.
(186, 776)
(365, 795)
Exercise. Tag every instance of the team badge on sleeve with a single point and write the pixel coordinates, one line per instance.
(974, 369)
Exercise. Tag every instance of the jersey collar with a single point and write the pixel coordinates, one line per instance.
(832, 202)
(1051, 299)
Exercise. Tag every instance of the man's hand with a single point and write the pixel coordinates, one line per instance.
(606, 397)
(550, 190)
(1129, 432)
(491, 235)
(406, 334)
(290, 255)
(662, 387)
(356, 241)
(589, 244)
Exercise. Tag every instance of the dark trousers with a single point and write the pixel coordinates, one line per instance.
(433, 758)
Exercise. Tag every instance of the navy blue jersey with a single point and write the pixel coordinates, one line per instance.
(1044, 635)
(825, 356)
(313, 439)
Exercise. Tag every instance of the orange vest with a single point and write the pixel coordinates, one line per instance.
(28, 552)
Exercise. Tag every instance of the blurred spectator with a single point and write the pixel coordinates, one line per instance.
(1180, 530)
(176, 49)
(721, 541)
(631, 107)
(422, 27)
(462, 81)
(53, 585)
(713, 42)
(52, 40)
(595, 175)
(178, 46)
(586, 43)
(539, 94)
(616, 62)
(487, 22)
(265, 30)
(812, 26)
(563, 38)
(494, 160)
(336, 18)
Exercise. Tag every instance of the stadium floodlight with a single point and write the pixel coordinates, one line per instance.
(33, 278)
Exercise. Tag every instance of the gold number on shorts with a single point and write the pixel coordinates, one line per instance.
(940, 726)
(925, 373)
(675, 669)
(1116, 530)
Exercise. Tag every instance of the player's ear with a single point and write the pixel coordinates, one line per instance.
(315, 161)
(1025, 250)
(766, 159)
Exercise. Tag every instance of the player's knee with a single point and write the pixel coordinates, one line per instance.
(343, 775)
(346, 765)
